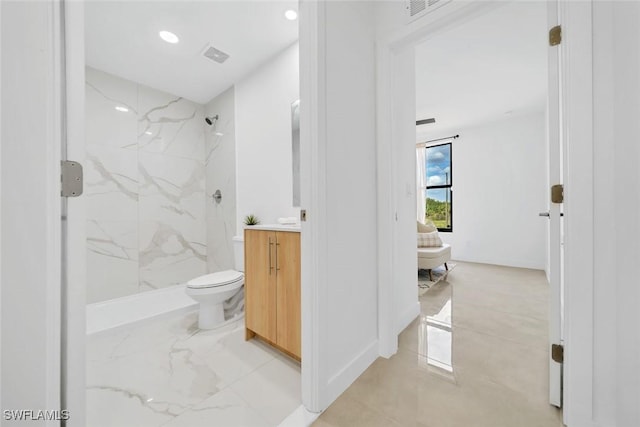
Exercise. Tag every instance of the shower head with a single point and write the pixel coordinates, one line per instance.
(211, 120)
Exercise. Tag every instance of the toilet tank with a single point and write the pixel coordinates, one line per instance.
(238, 253)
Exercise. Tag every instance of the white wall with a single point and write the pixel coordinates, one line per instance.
(263, 139)
(616, 297)
(1, 406)
(1, 212)
(30, 281)
(404, 278)
(499, 187)
(350, 191)
(390, 16)
(221, 175)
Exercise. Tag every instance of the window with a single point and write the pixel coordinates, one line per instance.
(439, 194)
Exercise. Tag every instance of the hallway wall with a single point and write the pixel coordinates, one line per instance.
(616, 296)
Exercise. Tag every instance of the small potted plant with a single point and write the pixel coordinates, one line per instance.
(251, 220)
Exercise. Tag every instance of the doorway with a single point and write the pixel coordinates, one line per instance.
(400, 68)
(178, 122)
(481, 115)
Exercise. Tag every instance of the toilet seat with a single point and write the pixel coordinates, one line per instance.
(214, 280)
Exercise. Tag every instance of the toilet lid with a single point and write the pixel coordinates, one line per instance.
(213, 280)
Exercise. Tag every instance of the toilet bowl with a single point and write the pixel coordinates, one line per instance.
(211, 290)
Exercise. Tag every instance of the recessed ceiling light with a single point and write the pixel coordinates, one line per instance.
(291, 15)
(123, 109)
(149, 132)
(219, 134)
(169, 37)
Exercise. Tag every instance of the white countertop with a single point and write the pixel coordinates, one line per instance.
(275, 227)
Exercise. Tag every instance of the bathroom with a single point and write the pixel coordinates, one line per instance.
(180, 149)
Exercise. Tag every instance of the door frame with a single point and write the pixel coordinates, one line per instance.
(314, 376)
(73, 244)
(313, 241)
(577, 131)
(31, 211)
(392, 88)
(555, 167)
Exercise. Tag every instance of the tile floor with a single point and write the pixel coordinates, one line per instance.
(475, 357)
(166, 372)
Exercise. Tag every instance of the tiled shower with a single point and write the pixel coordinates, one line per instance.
(152, 165)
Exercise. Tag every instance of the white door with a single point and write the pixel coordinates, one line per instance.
(555, 210)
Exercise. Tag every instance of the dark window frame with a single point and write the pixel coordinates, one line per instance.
(445, 186)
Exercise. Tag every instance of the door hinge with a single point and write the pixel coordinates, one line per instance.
(303, 215)
(557, 193)
(557, 353)
(71, 179)
(555, 35)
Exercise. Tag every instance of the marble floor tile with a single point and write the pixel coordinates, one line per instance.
(476, 356)
(225, 409)
(273, 389)
(177, 376)
(167, 371)
(112, 407)
(234, 358)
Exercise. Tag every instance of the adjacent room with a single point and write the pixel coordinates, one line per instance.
(485, 158)
(191, 137)
(477, 354)
(482, 179)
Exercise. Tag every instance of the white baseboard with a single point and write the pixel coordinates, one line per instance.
(301, 417)
(407, 316)
(500, 262)
(347, 375)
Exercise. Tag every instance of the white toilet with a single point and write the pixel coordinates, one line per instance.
(211, 290)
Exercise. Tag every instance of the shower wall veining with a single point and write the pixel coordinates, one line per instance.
(221, 175)
(147, 188)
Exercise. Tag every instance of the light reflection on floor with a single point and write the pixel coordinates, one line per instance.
(476, 356)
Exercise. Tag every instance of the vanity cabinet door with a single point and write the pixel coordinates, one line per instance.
(288, 291)
(260, 283)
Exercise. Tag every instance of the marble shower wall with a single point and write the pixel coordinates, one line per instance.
(144, 186)
(221, 175)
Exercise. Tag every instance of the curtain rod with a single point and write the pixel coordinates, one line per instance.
(435, 140)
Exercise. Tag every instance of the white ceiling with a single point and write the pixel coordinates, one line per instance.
(484, 70)
(122, 39)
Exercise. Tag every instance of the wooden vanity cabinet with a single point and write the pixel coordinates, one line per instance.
(272, 288)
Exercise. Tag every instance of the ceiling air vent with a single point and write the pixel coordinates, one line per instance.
(418, 8)
(215, 54)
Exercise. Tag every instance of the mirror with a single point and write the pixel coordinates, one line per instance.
(295, 150)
